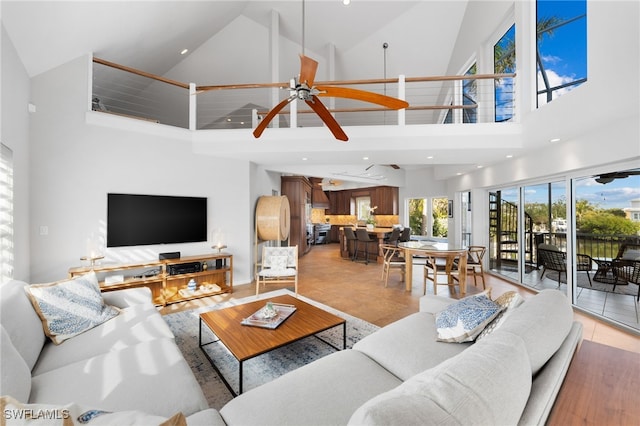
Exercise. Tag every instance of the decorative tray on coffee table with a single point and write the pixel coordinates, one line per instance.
(270, 316)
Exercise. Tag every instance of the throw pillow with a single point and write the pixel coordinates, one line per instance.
(508, 301)
(464, 320)
(17, 413)
(68, 308)
(278, 263)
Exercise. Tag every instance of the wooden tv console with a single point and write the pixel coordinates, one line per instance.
(168, 284)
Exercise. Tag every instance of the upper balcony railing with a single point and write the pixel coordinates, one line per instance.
(121, 90)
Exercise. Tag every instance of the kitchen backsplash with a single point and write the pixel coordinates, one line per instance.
(318, 216)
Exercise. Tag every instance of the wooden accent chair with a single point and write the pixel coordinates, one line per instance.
(279, 265)
(449, 263)
(393, 259)
(474, 264)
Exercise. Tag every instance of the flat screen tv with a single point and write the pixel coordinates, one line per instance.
(134, 220)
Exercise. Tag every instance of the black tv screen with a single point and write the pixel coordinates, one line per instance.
(134, 220)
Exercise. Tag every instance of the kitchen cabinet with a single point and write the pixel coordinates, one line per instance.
(386, 198)
(298, 191)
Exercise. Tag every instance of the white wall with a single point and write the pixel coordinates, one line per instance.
(75, 164)
(14, 133)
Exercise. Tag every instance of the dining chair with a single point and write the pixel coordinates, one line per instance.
(363, 239)
(394, 238)
(393, 259)
(279, 265)
(474, 264)
(451, 264)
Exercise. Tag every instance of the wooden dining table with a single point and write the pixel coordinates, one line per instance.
(436, 250)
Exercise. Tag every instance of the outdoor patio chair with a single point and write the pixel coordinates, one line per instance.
(626, 269)
(551, 258)
(279, 265)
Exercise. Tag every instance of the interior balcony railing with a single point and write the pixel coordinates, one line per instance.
(129, 92)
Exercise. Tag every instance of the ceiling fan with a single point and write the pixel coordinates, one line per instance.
(610, 177)
(306, 91)
(393, 166)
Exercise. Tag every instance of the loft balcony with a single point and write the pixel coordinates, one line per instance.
(468, 99)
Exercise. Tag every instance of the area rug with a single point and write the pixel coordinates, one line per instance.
(263, 368)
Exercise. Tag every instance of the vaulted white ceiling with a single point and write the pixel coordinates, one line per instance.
(149, 35)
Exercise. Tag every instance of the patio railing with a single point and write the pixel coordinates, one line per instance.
(597, 246)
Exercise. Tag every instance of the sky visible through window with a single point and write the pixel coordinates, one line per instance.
(563, 50)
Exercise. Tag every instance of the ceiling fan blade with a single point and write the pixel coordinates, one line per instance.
(361, 95)
(327, 118)
(267, 119)
(308, 68)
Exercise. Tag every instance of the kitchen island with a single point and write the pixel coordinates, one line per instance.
(378, 234)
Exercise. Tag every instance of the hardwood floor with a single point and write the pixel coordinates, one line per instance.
(358, 289)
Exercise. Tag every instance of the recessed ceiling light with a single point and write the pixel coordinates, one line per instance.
(479, 167)
(184, 51)
(459, 174)
(554, 140)
(304, 158)
(365, 158)
(430, 157)
(509, 156)
(346, 2)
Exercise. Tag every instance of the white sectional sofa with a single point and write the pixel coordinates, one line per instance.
(128, 364)
(399, 375)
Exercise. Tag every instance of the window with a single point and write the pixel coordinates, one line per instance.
(363, 208)
(561, 54)
(504, 62)
(6, 213)
(470, 97)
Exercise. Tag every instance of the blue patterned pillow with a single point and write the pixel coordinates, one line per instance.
(68, 308)
(464, 320)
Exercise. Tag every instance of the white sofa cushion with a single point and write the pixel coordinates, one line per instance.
(135, 324)
(21, 322)
(543, 322)
(324, 392)
(488, 384)
(15, 376)
(152, 377)
(408, 346)
(70, 307)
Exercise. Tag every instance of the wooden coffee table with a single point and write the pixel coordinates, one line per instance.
(246, 342)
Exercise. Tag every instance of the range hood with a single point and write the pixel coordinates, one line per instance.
(319, 199)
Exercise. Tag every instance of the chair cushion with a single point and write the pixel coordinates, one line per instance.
(70, 307)
(270, 273)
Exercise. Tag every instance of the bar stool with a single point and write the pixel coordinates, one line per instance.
(349, 235)
(363, 237)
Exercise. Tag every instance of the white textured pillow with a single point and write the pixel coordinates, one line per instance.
(508, 301)
(464, 320)
(68, 308)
